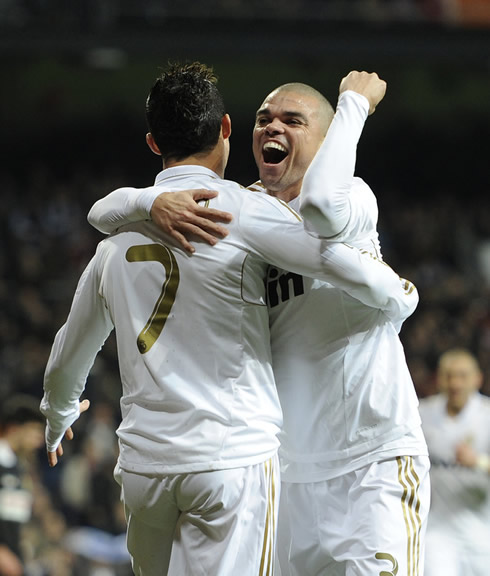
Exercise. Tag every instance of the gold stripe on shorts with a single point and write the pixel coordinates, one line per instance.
(268, 546)
(410, 483)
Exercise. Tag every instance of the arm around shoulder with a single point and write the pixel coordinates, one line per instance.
(122, 206)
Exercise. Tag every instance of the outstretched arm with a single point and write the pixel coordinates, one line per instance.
(326, 202)
(273, 230)
(179, 214)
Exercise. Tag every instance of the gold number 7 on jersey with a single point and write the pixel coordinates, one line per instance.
(156, 253)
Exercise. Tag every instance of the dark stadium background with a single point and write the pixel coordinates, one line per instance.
(75, 76)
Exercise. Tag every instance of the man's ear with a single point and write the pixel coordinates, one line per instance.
(152, 144)
(226, 126)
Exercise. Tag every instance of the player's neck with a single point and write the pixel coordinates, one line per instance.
(285, 195)
(212, 160)
(453, 411)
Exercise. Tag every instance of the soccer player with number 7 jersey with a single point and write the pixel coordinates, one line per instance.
(200, 413)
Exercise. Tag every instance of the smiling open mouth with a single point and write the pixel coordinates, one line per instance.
(273, 152)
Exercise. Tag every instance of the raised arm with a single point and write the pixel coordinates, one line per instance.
(326, 199)
(177, 213)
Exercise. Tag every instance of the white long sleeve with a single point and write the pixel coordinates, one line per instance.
(357, 272)
(122, 206)
(325, 196)
(72, 356)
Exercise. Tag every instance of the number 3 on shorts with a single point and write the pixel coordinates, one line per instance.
(156, 253)
(389, 557)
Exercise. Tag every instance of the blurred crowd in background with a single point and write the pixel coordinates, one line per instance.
(77, 527)
(439, 243)
(109, 14)
(437, 234)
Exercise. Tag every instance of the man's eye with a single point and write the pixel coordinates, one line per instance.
(262, 121)
(293, 121)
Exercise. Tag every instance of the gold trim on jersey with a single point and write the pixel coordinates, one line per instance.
(410, 502)
(257, 187)
(408, 286)
(367, 253)
(268, 546)
(293, 212)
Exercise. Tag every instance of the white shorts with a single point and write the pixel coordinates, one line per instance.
(369, 521)
(214, 523)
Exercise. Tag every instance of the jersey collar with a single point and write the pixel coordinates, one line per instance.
(190, 171)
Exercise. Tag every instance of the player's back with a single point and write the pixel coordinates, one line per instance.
(193, 345)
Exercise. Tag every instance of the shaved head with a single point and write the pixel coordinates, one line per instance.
(325, 109)
(290, 126)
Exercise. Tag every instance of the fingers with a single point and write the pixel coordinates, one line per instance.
(202, 230)
(180, 215)
(84, 405)
(210, 213)
(367, 84)
(199, 228)
(214, 215)
(202, 194)
(53, 456)
(182, 240)
(205, 220)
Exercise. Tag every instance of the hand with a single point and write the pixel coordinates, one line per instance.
(179, 214)
(367, 84)
(10, 565)
(465, 455)
(53, 456)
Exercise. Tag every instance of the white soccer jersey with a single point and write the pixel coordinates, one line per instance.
(460, 495)
(345, 389)
(193, 342)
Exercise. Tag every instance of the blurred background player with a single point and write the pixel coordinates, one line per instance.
(456, 422)
(21, 435)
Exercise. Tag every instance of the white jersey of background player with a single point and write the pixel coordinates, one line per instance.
(456, 423)
(347, 397)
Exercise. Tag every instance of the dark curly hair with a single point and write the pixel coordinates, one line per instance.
(184, 110)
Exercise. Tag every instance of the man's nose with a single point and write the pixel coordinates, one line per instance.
(275, 126)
